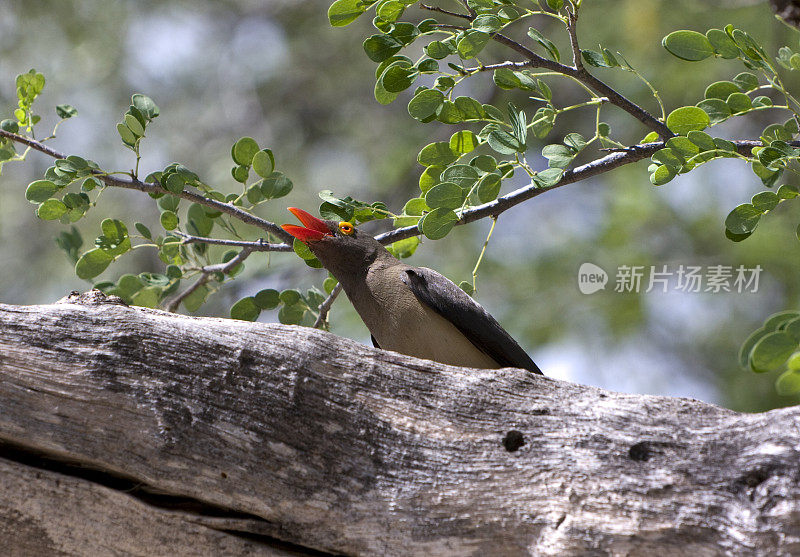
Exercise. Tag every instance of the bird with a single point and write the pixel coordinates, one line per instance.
(410, 310)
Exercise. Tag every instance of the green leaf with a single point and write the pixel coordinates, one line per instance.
(788, 383)
(765, 201)
(558, 156)
(145, 105)
(128, 137)
(470, 108)
(65, 111)
(548, 178)
(504, 78)
(344, 12)
(463, 175)
(381, 47)
(291, 314)
(398, 77)
(134, 125)
(199, 223)
(722, 43)
(147, 297)
(778, 320)
(143, 230)
(245, 309)
(51, 209)
(330, 283)
(430, 177)
(688, 45)
(390, 10)
(197, 298)
(743, 219)
(438, 223)
(746, 81)
(717, 110)
(114, 230)
(276, 185)
(92, 263)
(669, 158)
(543, 121)
(488, 23)
(772, 351)
(464, 141)
(546, 43)
(438, 50)
(503, 142)
(447, 195)
(290, 296)
(448, 113)
(555, 5)
(739, 102)
(169, 220)
(268, 298)
(787, 191)
(382, 95)
(301, 249)
(489, 187)
(405, 248)
(439, 154)
(40, 190)
(662, 175)
(244, 150)
(687, 118)
(704, 141)
(594, 59)
(747, 347)
(721, 90)
(471, 43)
(425, 104)
(264, 163)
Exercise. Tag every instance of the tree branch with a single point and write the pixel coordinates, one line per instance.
(205, 276)
(325, 443)
(501, 204)
(257, 245)
(446, 12)
(135, 184)
(325, 306)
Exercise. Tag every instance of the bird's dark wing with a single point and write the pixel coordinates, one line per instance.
(374, 342)
(448, 300)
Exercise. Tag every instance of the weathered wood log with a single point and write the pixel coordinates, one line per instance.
(237, 436)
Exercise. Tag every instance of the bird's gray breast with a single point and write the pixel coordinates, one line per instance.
(399, 321)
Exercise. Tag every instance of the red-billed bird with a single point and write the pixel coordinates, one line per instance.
(411, 310)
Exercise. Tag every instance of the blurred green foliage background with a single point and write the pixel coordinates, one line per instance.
(276, 71)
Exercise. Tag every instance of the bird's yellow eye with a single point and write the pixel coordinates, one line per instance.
(346, 228)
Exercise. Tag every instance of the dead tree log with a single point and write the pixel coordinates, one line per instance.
(126, 430)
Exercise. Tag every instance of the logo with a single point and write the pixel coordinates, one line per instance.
(591, 278)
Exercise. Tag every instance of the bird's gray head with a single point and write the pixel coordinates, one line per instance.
(341, 248)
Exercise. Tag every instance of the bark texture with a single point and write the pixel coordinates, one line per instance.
(133, 431)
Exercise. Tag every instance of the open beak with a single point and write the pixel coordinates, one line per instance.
(314, 229)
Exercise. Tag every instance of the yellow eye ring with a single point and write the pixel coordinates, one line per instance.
(346, 228)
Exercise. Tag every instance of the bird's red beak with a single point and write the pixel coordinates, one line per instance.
(315, 229)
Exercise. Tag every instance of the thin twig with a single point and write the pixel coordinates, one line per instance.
(135, 184)
(446, 12)
(580, 73)
(572, 24)
(207, 271)
(325, 306)
(257, 245)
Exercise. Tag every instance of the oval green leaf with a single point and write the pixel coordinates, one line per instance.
(687, 118)
(688, 45)
(438, 223)
(245, 309)
(92, 263)
(772, 351)
(244, 150)
(40, 191)
(51, 209)
(446, 195)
